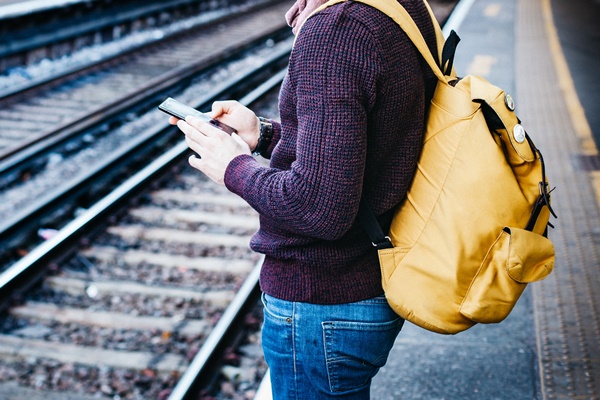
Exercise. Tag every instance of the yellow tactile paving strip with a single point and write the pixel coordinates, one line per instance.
(567, 302)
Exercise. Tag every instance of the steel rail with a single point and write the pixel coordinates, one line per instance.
(22, 41)
(19, 90)
(204, 367)
(15, 157)
(26, 272)
(23, 221)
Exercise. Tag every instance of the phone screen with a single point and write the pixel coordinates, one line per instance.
(180, 110)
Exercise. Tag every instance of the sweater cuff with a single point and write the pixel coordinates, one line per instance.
(237, 173)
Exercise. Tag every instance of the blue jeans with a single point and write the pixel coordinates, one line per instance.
(326, 351)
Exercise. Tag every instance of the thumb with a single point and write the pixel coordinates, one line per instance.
(219, 108)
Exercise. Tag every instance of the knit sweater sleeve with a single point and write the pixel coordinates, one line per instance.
(333, 76)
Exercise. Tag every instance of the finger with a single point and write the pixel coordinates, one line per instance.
(195, 145)
(203, 127)
(186, 128)
(192, 127)
(195, 161)
(197, 123)
(173, 120)
(193, 137)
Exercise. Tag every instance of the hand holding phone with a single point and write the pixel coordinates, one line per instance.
(180, 110)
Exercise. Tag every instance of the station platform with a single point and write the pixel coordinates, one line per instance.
(549, 347)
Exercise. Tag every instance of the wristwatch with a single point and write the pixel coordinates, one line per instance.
(266, 135)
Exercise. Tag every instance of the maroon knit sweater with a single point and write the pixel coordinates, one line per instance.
(352, 120)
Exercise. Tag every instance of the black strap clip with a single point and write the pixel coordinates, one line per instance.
(386, 243)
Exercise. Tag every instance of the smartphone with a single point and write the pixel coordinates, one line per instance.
(180, 110)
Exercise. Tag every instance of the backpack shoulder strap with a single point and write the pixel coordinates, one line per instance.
(439, 35)
(398, 14)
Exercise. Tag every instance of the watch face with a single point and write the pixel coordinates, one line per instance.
(266, 135)
(266, 128)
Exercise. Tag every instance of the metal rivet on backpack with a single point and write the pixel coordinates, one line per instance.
(519, 133)
(510, 103)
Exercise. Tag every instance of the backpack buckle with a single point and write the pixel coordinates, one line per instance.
(386, 243)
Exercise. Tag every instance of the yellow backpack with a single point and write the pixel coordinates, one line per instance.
(471, 233)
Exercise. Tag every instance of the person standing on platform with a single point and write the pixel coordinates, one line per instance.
(352, 111)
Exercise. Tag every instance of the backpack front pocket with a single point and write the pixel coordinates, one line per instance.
(516, 258)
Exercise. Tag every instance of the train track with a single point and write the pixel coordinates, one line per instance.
(127, 311)
(91, 327)
(147, 291)
(49, 107)
(52, 197)
(139, 299)
(49, 30)
(37, 163)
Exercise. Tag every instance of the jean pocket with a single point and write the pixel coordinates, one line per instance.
(277, 338)
(278, 310)
(355, 351)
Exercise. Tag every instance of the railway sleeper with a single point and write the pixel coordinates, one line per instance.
(18, 349)
(136, 257)
(80, 287)
(113, 320)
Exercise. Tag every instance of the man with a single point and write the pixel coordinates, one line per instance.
(352, 110)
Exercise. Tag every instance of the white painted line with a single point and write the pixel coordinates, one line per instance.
(493, 10)
(457, 16)
(264, 390)
(481, 65)
(28, 7)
